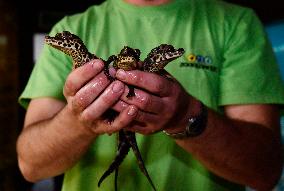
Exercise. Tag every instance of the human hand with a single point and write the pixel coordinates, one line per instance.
(90, 94)
(162, 103)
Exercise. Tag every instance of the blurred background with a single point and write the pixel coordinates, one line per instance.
(22, 27)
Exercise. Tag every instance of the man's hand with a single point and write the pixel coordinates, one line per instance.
(166, 107)
(89, 95)
(53, 126)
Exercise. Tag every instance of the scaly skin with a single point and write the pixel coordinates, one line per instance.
(71, 45)
(128, 58)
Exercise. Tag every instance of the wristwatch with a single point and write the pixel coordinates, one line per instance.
(195, 126)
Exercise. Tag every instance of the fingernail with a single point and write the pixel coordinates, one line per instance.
(121, 74)
(97, 63)
(117, 87)
(132, 111)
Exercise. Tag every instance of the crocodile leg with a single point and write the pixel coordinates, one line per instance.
(126, 140)
(106, 67)
(123, 149)
(131, 139)
(131, 91)
(115, 179)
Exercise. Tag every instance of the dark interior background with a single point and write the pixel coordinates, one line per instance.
(19, 20)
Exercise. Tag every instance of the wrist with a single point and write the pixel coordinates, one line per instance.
(80, 127)
(194, 122)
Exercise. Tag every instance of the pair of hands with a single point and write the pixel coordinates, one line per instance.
(158, 103)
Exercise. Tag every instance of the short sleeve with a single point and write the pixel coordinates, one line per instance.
(249, 73)
(49, 73)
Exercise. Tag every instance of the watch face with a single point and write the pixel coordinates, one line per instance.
(196, 125)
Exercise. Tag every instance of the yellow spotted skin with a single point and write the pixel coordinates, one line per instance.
(71, 45)
(125, 63)
(127, 59)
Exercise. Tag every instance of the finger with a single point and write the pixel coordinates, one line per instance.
(142, 128)
(145, 101)
(123, 119)
(120, 106)
(144, 122)
(146, 117)
(87, 94)
(141, 116)
(81, 76)
(110, 96)
(151, 82)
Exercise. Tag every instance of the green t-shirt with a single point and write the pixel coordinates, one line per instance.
(227, 60)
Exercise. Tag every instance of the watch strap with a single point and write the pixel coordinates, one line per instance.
(196, 125)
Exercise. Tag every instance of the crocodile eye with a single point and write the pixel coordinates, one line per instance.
(170, 55)
(124, 51)
(66, 33)
(137, 51)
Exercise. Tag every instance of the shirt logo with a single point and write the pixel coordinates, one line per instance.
(199, 62)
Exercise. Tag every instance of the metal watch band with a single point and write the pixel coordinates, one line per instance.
(196, 125)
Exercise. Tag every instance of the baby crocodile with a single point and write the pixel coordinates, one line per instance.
(156, 60)
(127, 59)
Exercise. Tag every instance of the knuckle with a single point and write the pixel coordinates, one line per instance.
(70, 108)
(147, 131)
(140, 116)
(115, 126)
(136, 77)
(108, 127)
(77, 104)
(170, 110)
(90, 69)
(86, 117)
(107, 98)
(145, 101)
(159, 86)
(68, 89)
(113, 93)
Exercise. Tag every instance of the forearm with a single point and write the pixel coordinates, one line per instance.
(49, 147)
(242, 152)
(243, 145)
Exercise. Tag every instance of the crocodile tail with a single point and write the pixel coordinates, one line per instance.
(123, 149)
(106, 67)
(130, 136)
(115, 179)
